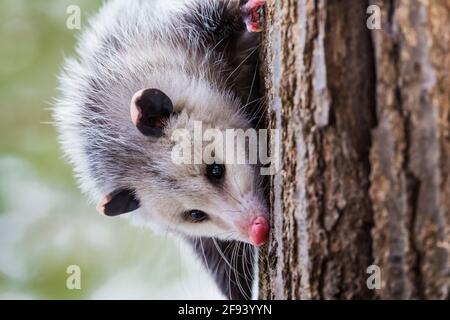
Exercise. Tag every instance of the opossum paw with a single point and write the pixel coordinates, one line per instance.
(253, 12)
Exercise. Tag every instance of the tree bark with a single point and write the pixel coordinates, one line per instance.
(365, 123)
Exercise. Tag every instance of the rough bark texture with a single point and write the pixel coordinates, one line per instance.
(365, 157)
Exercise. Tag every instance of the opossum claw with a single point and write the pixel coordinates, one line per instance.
(253, 12)
(118, 202)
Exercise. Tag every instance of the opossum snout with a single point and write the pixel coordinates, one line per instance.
(258, 231)
(255, 229)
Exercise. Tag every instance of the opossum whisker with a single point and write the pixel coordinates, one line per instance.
(244, 261)
(248, 277)
(260, 116)
(233, 270)
(238, 274)
(253, 82)
(245, 267)
(250, 253)
(233, 262)
(229, 247)
(226, 269)
(240, 64)
(251, 102)
(221, 253)
(261, 111)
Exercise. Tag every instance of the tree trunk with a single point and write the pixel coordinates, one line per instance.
(365, 155)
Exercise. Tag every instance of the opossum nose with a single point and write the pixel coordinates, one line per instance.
(259, 231)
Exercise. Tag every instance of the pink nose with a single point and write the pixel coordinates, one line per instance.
(259, 231)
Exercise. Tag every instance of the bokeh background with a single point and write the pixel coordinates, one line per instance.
(46, 225)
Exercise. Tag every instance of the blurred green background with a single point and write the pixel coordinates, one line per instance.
(46, 225)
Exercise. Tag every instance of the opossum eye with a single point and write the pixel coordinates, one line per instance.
(215, 172)
(196, 216)
(118, 202)
(150, 110)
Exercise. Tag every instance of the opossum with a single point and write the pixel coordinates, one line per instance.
(146, 68)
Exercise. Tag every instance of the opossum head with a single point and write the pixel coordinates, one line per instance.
(206, 194)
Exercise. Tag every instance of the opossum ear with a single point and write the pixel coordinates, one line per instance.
(118, 202)
(150, 109)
